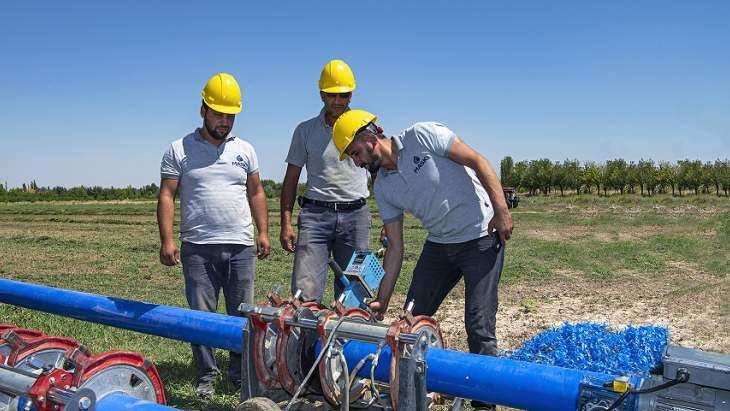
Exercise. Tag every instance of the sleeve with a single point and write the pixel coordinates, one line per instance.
(388, 212)
(436, 137)
(252, 160)
(297, 151)
(170, 166)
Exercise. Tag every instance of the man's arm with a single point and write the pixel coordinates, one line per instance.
(169, 252)
(287, 198)
(392, 263)
(260, 212)
(462, 154)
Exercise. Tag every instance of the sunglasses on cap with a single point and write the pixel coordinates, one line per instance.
(371, 127)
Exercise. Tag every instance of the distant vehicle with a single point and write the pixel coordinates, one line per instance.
(510, 194)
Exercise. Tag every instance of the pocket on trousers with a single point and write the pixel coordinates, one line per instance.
(487, 242)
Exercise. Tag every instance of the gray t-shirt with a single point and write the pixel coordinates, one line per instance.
(447, 197)
(212, 185)
(328, 178)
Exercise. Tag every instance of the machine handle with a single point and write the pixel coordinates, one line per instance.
(339, 274)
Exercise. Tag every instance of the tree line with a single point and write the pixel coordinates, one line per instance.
(32, 192)
(541, 176)
(646, 177)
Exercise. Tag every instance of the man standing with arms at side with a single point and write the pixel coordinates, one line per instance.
(430, 172)
(216, 174)
(334, 218)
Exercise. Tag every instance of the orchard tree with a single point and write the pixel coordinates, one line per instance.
(647, 174)
(592, 176)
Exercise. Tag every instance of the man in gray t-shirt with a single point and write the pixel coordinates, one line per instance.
(453, 190)
(334, 219)
(216, 175)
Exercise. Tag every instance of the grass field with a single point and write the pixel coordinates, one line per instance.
(621, 260)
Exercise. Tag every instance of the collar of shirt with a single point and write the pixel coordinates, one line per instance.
(398, 143)
(322, 119)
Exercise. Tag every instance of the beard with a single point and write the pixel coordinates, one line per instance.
(336, 112)
(374, 166)
(215, 133)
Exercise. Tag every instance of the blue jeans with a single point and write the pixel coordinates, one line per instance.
(323, 231)
(207, 269)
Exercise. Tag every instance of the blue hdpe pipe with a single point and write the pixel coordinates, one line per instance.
(122, 402)
(112, 402)
(197, 327)
(496, 380)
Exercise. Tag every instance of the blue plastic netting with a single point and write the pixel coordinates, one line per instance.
(595, 347)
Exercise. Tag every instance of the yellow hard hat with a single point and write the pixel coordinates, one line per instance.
(222, 94)
(343, 132)
(336, 77)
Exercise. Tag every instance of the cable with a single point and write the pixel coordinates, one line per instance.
(682, 376)
(345, 402)
(326, 348)
(358, 367)
(373, 386)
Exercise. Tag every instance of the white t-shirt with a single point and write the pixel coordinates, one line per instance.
(212, 185)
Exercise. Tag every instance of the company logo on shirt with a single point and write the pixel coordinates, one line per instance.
(419, 162)
(239, 162)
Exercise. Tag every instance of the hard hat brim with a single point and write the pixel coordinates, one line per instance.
(338, 89)
(224, 109)
(344, 155)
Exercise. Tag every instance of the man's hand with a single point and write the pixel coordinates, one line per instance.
(263, 247)
(169, 253)
(378, 308)
(288, 238)
(502, 223)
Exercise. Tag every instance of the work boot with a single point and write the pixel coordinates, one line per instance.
(205, 389)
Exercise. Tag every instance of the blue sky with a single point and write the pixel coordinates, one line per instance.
(94, 92)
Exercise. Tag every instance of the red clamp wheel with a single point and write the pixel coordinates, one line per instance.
(291, 345)
(45, 351)
(121, 371)
(420, 324)
(333, 374)
(264, 351)
(11, 334)
(282, 367)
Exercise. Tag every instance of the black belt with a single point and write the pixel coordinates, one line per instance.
(334, 205)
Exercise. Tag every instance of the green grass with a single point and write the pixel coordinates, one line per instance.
(112, 249)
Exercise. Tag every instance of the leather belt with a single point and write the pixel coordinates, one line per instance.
(333, 205)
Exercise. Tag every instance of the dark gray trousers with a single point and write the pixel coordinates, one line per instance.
(441, 266)
(208, 268)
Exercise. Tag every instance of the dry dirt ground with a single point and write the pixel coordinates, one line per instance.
(527, 309)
